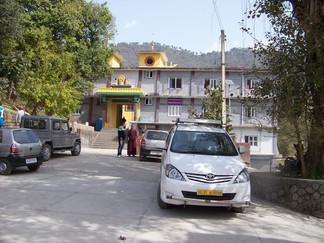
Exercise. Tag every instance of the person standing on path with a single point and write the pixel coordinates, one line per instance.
(121, 137)
(20, 113)
(131, 145)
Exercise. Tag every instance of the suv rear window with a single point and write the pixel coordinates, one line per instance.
(25, 136)
(155, 135)
(198, 142)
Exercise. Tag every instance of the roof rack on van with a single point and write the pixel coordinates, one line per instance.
(199, 121)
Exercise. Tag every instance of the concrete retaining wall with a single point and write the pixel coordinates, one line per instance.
(301, 195)
(86, 133)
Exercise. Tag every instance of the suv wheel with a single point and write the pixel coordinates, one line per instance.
(47, 152)
(5, 167)
(33, 167)
(76, 150)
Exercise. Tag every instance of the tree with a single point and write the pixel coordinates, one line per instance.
(212, 107)
(66, 49)
(11, 36)
(294, 55)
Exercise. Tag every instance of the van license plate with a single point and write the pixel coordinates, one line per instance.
(210, 192)
(31, 160)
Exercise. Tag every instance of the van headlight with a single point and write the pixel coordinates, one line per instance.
(242, 177)
(172, 173)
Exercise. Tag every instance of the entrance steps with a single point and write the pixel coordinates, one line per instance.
(106, 139)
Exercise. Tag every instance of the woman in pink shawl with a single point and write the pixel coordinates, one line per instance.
(131, 145)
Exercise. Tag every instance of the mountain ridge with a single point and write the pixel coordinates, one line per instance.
(234, 58)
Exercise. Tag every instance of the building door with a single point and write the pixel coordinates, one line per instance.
(119, 115)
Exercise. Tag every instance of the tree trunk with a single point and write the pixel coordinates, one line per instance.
(310, 14)
(300, 148)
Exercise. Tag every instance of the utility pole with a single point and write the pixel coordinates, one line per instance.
(223, 78)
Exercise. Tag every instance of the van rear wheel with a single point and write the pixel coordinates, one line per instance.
(33, 167)
(47, 150)
(5, 167)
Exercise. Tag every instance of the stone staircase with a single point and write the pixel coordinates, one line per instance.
(106, 139)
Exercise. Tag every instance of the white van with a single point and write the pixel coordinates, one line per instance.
(201, 166)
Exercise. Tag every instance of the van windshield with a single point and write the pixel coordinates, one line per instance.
(198, 142)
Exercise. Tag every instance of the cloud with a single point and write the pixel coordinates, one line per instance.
(130, 24)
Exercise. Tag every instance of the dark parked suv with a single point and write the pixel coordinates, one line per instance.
(54, 133)
(19, 147)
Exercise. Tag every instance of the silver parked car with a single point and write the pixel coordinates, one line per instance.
(149, 143)
(19, 147)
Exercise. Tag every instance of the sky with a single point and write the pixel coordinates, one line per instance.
(194, 25)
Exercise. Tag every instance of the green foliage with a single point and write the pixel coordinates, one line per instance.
(211, 105)
(212, 108)
(11, 58)
(294, 55)
(65, 49)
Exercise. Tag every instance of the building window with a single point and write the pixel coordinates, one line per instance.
(148, 101)
(250, 84)
(174, 110)
(148, 74)
(149, 61)
(252, 140)
(211, 83)
(77, 112)
(129, 108)
(250, 112)
(175, 83)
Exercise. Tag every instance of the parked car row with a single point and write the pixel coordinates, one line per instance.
(35, 141)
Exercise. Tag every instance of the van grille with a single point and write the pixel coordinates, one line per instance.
(209, 178)
(225, 196)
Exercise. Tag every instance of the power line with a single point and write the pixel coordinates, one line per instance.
(217, 14)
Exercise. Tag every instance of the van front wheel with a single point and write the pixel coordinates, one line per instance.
(76, 149)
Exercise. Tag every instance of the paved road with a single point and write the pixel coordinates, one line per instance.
(97, 197)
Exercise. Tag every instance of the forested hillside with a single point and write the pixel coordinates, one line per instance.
(236, 57)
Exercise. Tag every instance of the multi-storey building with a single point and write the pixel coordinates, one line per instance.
(157, 91)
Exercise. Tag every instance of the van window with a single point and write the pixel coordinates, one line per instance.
(56, 125)
(34, 124)
(65, 126)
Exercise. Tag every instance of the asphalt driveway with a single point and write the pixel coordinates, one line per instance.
(97, 197)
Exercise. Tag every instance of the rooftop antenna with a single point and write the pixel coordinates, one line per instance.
(152, 43)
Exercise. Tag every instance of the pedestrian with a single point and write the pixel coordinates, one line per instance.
(121, 137)
(131, 145)
(20, 113)
(1, 114)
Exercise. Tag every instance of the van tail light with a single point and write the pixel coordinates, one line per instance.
(143, 143)
(13, 149)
